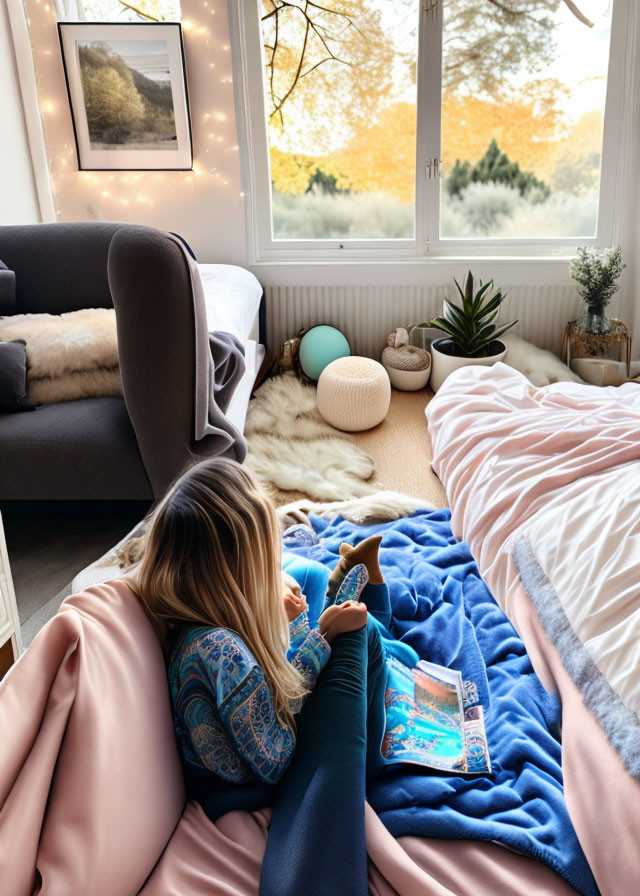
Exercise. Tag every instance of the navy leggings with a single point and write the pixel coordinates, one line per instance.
(316, 842)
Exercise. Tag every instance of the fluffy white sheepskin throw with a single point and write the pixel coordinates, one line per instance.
(292, 449)
(539, 366)
(380, 507)
(69, 356)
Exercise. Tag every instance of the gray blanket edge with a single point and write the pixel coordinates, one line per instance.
(620, 725)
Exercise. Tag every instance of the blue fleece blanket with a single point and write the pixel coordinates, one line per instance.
(445, 613)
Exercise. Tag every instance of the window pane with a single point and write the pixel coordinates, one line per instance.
(340, 99)
(523, 100)
(118, 11)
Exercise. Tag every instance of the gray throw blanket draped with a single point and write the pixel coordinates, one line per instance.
(213, 389)
(227, 353)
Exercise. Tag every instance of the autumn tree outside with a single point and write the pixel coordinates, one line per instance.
(340, 100)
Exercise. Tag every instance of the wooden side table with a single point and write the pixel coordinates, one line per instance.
(10, 643)
(578, 344)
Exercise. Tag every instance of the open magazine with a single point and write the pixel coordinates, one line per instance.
(428, 724)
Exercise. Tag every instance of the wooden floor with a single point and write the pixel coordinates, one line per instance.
(401, 448)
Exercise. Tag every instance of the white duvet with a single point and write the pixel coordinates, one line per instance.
(544, 484)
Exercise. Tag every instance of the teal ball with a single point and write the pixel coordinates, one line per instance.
(319, 347)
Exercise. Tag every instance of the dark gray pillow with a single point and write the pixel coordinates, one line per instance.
(13, 377)
(7, 290)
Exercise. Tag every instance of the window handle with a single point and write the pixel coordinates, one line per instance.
(433, 168)
(430, 8)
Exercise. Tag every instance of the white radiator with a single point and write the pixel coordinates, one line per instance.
(367, 314)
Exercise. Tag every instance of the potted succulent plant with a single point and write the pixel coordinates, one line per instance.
(472, 337)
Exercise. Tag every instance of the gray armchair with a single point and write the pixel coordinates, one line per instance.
(107, 448)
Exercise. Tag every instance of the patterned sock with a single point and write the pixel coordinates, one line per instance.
(351, 586)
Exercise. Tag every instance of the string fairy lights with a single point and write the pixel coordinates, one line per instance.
(114, 194)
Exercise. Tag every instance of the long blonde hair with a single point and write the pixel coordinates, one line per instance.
(212, 556)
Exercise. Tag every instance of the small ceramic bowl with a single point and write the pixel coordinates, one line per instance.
(408, 380)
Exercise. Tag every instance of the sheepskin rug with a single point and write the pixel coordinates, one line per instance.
(292, 449)
(69, 356)
(538, 365)
(380, 507)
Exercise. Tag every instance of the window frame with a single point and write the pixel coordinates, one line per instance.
(248, 62)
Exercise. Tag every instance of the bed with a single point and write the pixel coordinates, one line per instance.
(234, 304)
(544, 485)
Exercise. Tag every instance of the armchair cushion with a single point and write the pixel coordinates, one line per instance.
(73, 450)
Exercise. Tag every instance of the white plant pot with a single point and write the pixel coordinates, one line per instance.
(408, 380)
(443, 364)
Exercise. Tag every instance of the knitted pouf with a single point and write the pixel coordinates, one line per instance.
(354, 393)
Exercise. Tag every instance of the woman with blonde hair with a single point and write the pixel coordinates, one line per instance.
(268, 709)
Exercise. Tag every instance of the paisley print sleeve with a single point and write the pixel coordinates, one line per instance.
(298, 631)
(245, 705)
(311, 658)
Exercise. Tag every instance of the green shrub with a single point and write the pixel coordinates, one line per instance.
(495, 168)
(319, 215)
(484, 211)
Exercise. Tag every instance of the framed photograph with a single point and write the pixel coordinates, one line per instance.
(128, 95)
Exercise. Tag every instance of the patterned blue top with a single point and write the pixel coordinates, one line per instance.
(223, 712)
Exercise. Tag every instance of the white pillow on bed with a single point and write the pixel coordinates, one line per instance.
(538, 365)
(232, 299)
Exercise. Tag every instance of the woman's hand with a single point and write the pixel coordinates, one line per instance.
(346, 617)
(294, 600)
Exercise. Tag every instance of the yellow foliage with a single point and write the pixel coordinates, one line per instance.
(155, 10)
(379, 159)
(586, 136)
(111, 100)
(528, 130)
(381, 156)
(290, 172)
(337, 100)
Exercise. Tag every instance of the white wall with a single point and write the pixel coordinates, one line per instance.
(205, 206)
(18, 198)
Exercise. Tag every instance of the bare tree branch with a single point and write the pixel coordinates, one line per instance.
(278, 108)
(319, 30)
(139, 12)
(579, 15)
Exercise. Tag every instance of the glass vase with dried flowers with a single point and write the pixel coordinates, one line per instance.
(596, 271)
